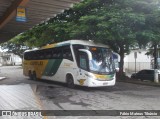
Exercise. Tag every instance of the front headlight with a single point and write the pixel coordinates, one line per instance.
(90, 75)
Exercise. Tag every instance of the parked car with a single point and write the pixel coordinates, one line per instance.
(147, 74)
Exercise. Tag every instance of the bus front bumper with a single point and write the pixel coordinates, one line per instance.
(97, 83)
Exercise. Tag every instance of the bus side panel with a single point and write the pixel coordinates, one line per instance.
(67, 67)
(52, 67)
(59, 71)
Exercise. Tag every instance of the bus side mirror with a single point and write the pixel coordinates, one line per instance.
(87, 52)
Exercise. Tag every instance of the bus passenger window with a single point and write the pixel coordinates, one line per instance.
(41, 54)
(48, 54)
(35, 57)
(54, 55)
(57, 53)
(67, 53)
(26, 56)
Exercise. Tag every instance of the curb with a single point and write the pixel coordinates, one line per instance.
(140, 83)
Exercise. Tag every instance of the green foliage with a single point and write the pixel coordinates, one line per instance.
(118, 23)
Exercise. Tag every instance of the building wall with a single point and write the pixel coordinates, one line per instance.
(16, 60)
(9, 59)
(1, 61)
(142, 61)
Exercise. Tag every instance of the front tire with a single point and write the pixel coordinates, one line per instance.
(70, 81)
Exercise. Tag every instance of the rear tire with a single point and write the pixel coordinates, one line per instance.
(70, 81)
(34, 76)
(30, 75)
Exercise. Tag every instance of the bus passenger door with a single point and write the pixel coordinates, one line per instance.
(83, 64)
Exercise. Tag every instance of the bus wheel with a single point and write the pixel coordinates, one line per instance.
(30, 75)
(34, 76)
(70, 82)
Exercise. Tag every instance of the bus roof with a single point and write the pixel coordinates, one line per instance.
(79, 42)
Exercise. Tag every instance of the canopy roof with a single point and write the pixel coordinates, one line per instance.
(37, 11)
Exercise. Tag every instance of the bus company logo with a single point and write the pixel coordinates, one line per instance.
(81, 81)
(6, 113)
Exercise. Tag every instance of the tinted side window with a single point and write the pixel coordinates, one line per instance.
(30, 55)
(41, 54)
(142, 72)
(34, 55)
(150, 72)
(26, 56)
(45, 54)
(67, 54)
(48, 53)
(83, 58)
(76, 51)
(57, 53)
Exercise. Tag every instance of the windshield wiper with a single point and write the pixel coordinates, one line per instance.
(103, 66)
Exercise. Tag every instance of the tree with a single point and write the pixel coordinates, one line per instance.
(114, 24)
(121, 24)
(118, 23)
(15, 46)
(150, 33)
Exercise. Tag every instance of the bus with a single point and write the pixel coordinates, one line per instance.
(74, 62)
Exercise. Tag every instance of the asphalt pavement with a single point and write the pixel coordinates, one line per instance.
(49, 95)
(127, 79)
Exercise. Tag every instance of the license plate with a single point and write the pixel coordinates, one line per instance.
(105, 84)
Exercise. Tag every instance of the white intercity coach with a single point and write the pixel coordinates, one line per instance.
(74, 62)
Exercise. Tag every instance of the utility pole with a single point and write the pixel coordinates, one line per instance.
(156, 80)
(155, 56)
(135, 57)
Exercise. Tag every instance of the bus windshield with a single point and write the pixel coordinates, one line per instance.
(102, 60)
